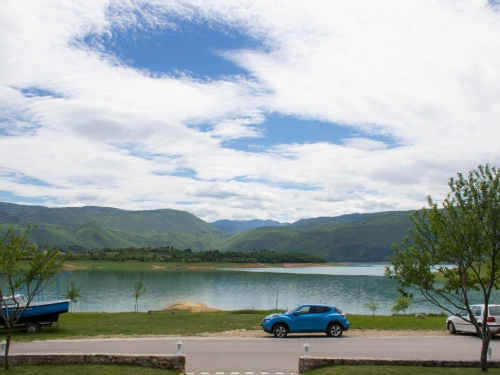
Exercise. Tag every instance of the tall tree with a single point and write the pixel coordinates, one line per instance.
(139, 289)
(32, 278)
(463, 233)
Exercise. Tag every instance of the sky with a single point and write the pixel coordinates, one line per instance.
(248, 109)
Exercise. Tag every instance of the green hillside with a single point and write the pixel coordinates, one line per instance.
(347, 238)
(367, 239)
(265, 238)
(101, 227)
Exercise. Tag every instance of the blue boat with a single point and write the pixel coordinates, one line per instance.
(37, 314)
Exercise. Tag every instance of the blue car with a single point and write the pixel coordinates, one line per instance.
(307, 318)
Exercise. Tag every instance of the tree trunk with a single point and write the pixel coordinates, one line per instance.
(484, 351)
(10, 331)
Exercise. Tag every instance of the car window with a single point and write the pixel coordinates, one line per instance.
(495, 310)
(318, 309)
(476, 311)
(304, 310)
(323, 309)
(463, 313)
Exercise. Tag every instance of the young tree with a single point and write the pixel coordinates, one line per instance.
(43, 265)
(73, 293)
(402, 304)
(139, 289)
(465, 233)
(372, 306)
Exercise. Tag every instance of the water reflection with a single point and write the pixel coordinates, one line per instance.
(112, 291)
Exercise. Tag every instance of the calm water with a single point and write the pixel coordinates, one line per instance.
(348, 287)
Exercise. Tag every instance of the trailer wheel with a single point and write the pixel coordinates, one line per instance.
(32, 328)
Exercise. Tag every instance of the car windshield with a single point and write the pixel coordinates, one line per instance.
(291, 310)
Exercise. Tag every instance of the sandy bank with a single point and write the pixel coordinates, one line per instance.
(191, 306)
(70, 267)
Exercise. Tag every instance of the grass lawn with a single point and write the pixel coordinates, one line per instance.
(396, 370)
(184, 323)
(85, 370)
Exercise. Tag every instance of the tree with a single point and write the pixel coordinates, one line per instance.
(31, 278)
(73, 293)
(464, 233)
(372, 306)
(139, 289)
(402, 304)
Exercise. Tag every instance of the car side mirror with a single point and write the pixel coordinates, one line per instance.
(296, 313)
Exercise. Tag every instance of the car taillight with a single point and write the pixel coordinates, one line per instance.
(491, 319)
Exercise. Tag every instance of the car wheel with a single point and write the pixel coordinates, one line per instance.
(280, 331)
(451, 328)
(335, 330)
(32, 328)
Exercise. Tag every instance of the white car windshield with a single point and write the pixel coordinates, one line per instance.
(291, 310)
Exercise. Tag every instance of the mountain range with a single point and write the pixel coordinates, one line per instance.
(347, 238)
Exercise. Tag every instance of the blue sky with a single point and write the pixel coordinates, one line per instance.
(245, 110)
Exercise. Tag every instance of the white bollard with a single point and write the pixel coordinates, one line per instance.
(306, 347)
(179, 347)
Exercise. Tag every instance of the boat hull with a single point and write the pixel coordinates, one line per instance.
(43, 312)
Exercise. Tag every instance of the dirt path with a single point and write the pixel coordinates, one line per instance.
(351, 333)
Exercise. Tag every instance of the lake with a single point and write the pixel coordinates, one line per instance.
(348, 287)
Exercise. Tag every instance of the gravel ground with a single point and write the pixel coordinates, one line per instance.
(352, 333)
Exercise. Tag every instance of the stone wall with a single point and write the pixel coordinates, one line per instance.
(173, 362)
(311, 363)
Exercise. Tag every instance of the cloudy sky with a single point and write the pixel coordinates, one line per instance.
(249, 109)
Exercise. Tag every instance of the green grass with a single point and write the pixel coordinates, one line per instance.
(88, 325)
(396, 322)
(86, 370)
(184, 323)
(396, 370)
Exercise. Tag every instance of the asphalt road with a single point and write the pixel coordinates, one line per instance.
(270, 355)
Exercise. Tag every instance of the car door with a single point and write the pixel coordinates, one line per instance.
(321, 318)
(460, 323)
(302, 319)
(494, 317)
(477, 311)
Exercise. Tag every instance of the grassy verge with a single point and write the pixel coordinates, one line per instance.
(396, 322)
(184, 323)
(396, 370)
(88, 325)
(86, 370)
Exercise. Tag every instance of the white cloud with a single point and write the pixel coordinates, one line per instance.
(424, 75)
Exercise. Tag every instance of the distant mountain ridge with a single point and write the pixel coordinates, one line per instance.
(347, 238)
(237, 226)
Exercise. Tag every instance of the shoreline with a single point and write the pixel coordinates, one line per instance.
(78, 265)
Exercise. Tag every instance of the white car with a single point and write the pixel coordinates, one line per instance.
(460, 322)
